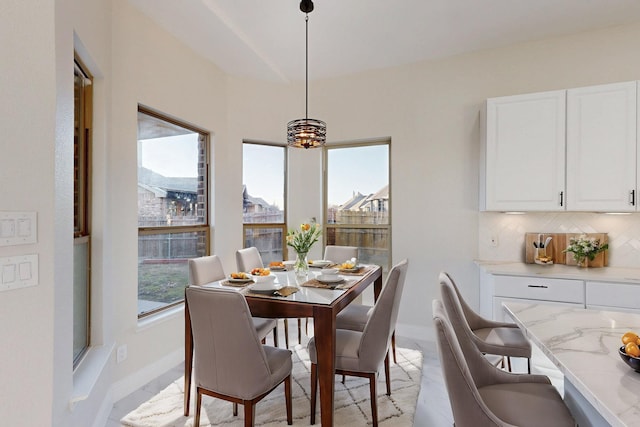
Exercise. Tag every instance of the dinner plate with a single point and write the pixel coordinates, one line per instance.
(326, 279)
(351, 270)
(233, 280)
(320, 263)
(277, 268)
(265, 287)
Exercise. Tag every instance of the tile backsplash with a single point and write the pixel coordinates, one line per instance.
(623, 232)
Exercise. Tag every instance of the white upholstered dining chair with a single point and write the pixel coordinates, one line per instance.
(230, 363)
(483, 395)
(361, 353)
(246, 260)
(209, 269)
(339, 254)
(490, 336)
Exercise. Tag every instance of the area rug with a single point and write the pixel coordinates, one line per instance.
(352, 404)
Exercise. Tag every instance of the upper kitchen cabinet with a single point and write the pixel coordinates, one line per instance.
(523, 153)
(601, 148)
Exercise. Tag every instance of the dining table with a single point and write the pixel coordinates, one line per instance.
(306, 297)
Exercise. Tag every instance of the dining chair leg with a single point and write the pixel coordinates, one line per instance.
(235, 410)
(275, 336)
(287, 397)
(249, 414)
(509, 363)
(393, 347)
(299, 331)
(286, 332)
(386, 374)
(374, 399)
(528, 365)
(314, 389)
(198, 406)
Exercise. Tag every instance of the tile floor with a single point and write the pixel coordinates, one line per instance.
(433, 409)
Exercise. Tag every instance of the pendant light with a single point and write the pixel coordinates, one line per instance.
(306, 133)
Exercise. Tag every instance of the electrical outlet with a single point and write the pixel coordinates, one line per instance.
(493, 241)
(121, 354)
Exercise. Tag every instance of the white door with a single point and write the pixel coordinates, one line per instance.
(601, 148)
(524, 155)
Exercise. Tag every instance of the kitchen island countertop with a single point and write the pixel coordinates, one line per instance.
(584, 344)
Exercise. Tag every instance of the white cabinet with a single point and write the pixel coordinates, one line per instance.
(523, 164)
(535, 290)
(601, 148)
(613, 296)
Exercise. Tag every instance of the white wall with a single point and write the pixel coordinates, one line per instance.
(429, 110)
(153, 69)
(27, 126)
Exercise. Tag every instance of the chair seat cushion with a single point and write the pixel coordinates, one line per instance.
(347, 346)
(263, 326)
(504, 341)
(280, 363)
(527, 404)
(354, 317)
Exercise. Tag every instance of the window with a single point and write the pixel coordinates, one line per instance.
(82, 116)
(263, 196)
(358, 200)
(173, 219)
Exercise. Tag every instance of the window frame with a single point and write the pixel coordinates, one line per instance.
(82, 182)
(325, 191)
(175, 229)
(283, 225)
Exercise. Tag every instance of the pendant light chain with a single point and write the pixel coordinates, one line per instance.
(306, 67)
(306, 133)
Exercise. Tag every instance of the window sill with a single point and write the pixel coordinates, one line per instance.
(88, 372)
(163, 316)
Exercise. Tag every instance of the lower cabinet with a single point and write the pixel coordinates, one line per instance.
(613, 296)
(532, 289)
(494, 289)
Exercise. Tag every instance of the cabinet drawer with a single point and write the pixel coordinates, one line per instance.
(613, 295)
(537, 288)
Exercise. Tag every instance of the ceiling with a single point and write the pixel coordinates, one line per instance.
(264, 39)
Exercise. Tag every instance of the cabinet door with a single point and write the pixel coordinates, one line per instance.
(601, 148)
(524, 164)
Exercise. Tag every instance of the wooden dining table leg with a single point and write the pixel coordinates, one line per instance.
(188, 357)
(324, 326)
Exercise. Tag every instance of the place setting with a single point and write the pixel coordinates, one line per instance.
(328, 279)
(264, 284)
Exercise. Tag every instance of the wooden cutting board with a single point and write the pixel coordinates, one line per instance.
(558, 243)
(601, 260)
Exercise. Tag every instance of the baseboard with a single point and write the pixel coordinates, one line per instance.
(133, 382)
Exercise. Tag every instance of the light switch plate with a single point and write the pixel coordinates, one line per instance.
(18, 271)
(18, 228)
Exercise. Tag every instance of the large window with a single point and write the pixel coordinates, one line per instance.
(81, 212)
(263, 196)
(173, 223)
(358, 200)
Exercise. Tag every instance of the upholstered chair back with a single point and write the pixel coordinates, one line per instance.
(376, 335)
(249, 258)
(228, 355)
(205, 270)
(340, 254)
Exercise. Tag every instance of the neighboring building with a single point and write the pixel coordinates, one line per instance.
(164, 199)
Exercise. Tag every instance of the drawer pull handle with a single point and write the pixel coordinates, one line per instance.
(538, 286)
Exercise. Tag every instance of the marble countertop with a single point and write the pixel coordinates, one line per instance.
(560, 271)
(584, 344)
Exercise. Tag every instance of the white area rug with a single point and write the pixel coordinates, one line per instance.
(352, 404)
